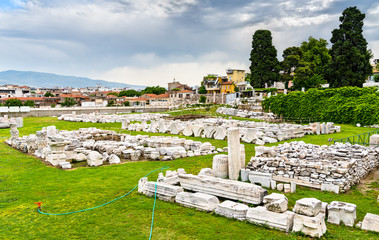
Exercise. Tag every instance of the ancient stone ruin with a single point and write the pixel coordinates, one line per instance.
(332, 168)
(216, 128)
(97, 147)
(229, 198)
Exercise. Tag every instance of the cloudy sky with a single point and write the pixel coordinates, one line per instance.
(151, 42)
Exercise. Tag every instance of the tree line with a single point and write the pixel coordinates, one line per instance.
(346, 63)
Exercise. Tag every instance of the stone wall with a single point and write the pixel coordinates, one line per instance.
(39, 112)
(340, 165)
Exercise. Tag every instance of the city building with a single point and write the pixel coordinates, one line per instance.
(235, 75)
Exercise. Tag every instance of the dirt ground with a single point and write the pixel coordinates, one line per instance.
(371, 182)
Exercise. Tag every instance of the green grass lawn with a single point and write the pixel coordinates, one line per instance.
(25, 180)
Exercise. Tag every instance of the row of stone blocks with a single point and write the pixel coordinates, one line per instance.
(308, 215)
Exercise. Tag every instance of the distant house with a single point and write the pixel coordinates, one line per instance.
(157, 100)
(212, 82)
(140, 101)
(177, 85)
(78, 98)
(227, 87)
(235, 75)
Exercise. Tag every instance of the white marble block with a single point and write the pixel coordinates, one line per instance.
(164, 191)
(311, 226)
(342, 212)
(263, 178)
(200, 201)
(276, 202)
(232, 209)
(371, 222)
(230, 189)
(94, 158)
(308, 206)
(330, 187)
(280, 221)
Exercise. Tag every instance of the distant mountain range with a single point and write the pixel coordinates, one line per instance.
(49, 80)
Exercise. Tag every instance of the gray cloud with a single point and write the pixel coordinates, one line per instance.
(96, 37)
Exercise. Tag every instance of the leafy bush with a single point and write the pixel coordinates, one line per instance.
(14, 102)
(29, 103)
(68, 102)
(202, 99)
(126, 104)
(341, 105)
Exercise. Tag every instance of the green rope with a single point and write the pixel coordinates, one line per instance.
(152, 217)
(87, 209)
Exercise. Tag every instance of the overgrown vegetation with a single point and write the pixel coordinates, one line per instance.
(341, 105)
(68, 102)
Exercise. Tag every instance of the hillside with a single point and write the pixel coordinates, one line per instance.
(39, 79)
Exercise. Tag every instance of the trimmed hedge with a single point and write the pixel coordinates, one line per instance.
(338, 105)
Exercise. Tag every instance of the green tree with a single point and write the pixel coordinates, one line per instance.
(68, 102)
(154, 90)
(202, 89)
(29, 103)
(350, 63)
(307, 62)
(49, 94)
(113, 93)
(202, 99)
(316, 52)
(14, 102)
(126, 104)
(111, 103)
(264, 66)
(129, 93)
(376, 78)
(291, 60)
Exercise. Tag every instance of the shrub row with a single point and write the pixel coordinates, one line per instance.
(338, 105)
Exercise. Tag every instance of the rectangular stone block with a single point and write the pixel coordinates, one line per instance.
(280, 221)
(308, 206)
(311, 226)
(232, 209)
(263, 178)
(371, 222)
(329, 187)
(165, 192)
(200, 201)
(342, 212)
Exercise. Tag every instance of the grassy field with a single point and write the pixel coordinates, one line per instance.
(25, 180)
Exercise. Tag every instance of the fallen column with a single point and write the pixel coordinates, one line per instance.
(240, 191)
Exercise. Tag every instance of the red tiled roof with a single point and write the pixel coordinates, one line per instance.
(164, 95)
(227, 83)
(186, 91)
(25, 98)
(72, 96)
(138, 99)
(111, 96)
(151, 94)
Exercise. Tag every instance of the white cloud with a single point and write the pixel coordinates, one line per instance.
(185, 39)
(190, 73)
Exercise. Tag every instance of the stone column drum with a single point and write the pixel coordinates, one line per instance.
(220, 166)
(234, 153)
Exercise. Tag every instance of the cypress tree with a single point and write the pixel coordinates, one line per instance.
(350, 63)
(264, 66)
